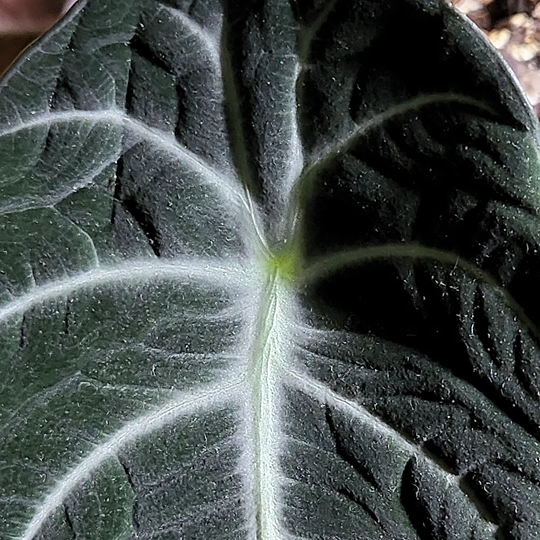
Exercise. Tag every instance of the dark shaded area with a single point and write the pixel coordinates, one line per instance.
(437, 511)
(343, 450)
(144, 219)
(511, 497)
(69, 522)
(134, 207)
(415, 506)
(341, 473)
(421, 306)
(136, 493)
(142, 49)
(237, 17)
(356, 500)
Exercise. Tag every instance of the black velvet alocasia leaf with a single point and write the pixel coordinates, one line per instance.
(269, 270)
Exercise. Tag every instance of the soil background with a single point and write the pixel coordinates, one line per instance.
(513, 27)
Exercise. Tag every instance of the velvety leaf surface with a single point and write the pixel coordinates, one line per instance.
(269, 271)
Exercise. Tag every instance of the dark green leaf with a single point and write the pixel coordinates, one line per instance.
(269, 271)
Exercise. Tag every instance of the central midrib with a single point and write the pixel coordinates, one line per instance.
(264, 372)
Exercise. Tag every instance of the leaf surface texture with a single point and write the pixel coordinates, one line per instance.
(269, 271)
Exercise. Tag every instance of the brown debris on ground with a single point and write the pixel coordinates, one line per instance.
(513, 27)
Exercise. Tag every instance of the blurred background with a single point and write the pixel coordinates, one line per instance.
(512, 26)
(23, 21)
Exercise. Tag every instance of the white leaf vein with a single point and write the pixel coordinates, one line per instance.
(323, 394)
(209, 42)
(183, 404)
(224, 274)
(222, 182)
(346, 141)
